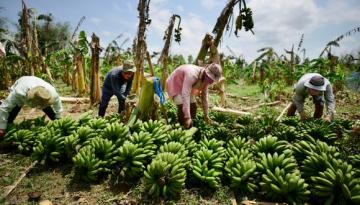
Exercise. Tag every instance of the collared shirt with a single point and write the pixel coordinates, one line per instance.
(115, 83)
(17, 97)
(301, 94)
(185, 81)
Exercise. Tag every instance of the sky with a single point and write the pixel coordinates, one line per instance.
(278, 23)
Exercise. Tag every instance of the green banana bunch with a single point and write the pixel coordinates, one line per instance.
(248, 22)
(130, 160)
(71, 144)
(270, 144)
(104, 150)
(144, 140)
(85, 118)
(215, 145)
(252, 131)
(165, 176)
(287, 133)
(65, 126)
(114, 118)
(85, 134)
(48, 146)
(97, 124)
(171, 112)
(235, 146)
(355, 161)
(337, 185)
(242, 174)
(222, 133)
(245, 120)
(22, 139)
(301, 149)
(87, 165)
(176, 148)
(184, 137)
(117, 133)
(272, 161)
(157, 129)
(281, 186)
(291, 121)
(207, 167)
(317, 162)
(318, 130)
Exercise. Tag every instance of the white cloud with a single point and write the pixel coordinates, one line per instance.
(180, 8)
(95, 20)
(211, 4)
(106, 33)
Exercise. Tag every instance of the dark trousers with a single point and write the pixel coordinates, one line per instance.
(319, 108)
(105, 98)
(180, 114)
(15, 111)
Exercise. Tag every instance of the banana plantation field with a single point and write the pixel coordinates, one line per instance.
(254, 157)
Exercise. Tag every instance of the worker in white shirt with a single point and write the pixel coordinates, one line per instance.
(320, 89)
(33, 92)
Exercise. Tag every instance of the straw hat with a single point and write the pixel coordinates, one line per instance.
(317, 83)
(128, 66)
(39, 96)
(214, 71)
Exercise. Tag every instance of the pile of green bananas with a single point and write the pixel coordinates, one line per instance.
(207, 167)
(165, 175)
(97, 124)
(157, 129)
(252, 131)
(337, 185)
(22, 139)
(184, 137)
(87, 165)
(281, 186)
(176, 148)
(355, 161)
(270, 162)
(116, 132)
(270, 144)
(129, 160)
(65, 126)
(242, 174)
(237, 147)
(145, 141)
(318, 130)
(49, 145)
(104, 150)
(78, 139)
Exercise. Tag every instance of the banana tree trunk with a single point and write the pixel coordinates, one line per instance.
(163, 59)
(151, 68)
(79, 63)
(95, 78)
(205, 45)
(254, 73)
(140, 50)
(26, 38)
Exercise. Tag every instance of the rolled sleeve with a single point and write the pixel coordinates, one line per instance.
(330, 100)
(205, 99)
(6, 107)
(58, 109)
(185, 95)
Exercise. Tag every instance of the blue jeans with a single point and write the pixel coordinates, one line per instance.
(105, 98)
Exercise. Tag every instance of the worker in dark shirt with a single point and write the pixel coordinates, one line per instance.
(117, 82)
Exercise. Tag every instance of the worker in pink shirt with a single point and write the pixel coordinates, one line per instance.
(188, 81)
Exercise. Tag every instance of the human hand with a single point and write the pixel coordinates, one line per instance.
(187, 122)
(328, 118)
(210, 121)
(303, 116)
(2, 133)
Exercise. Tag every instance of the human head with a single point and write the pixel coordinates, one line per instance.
(39, 97)
(315, 85)
(213, 73)
(128, 69)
